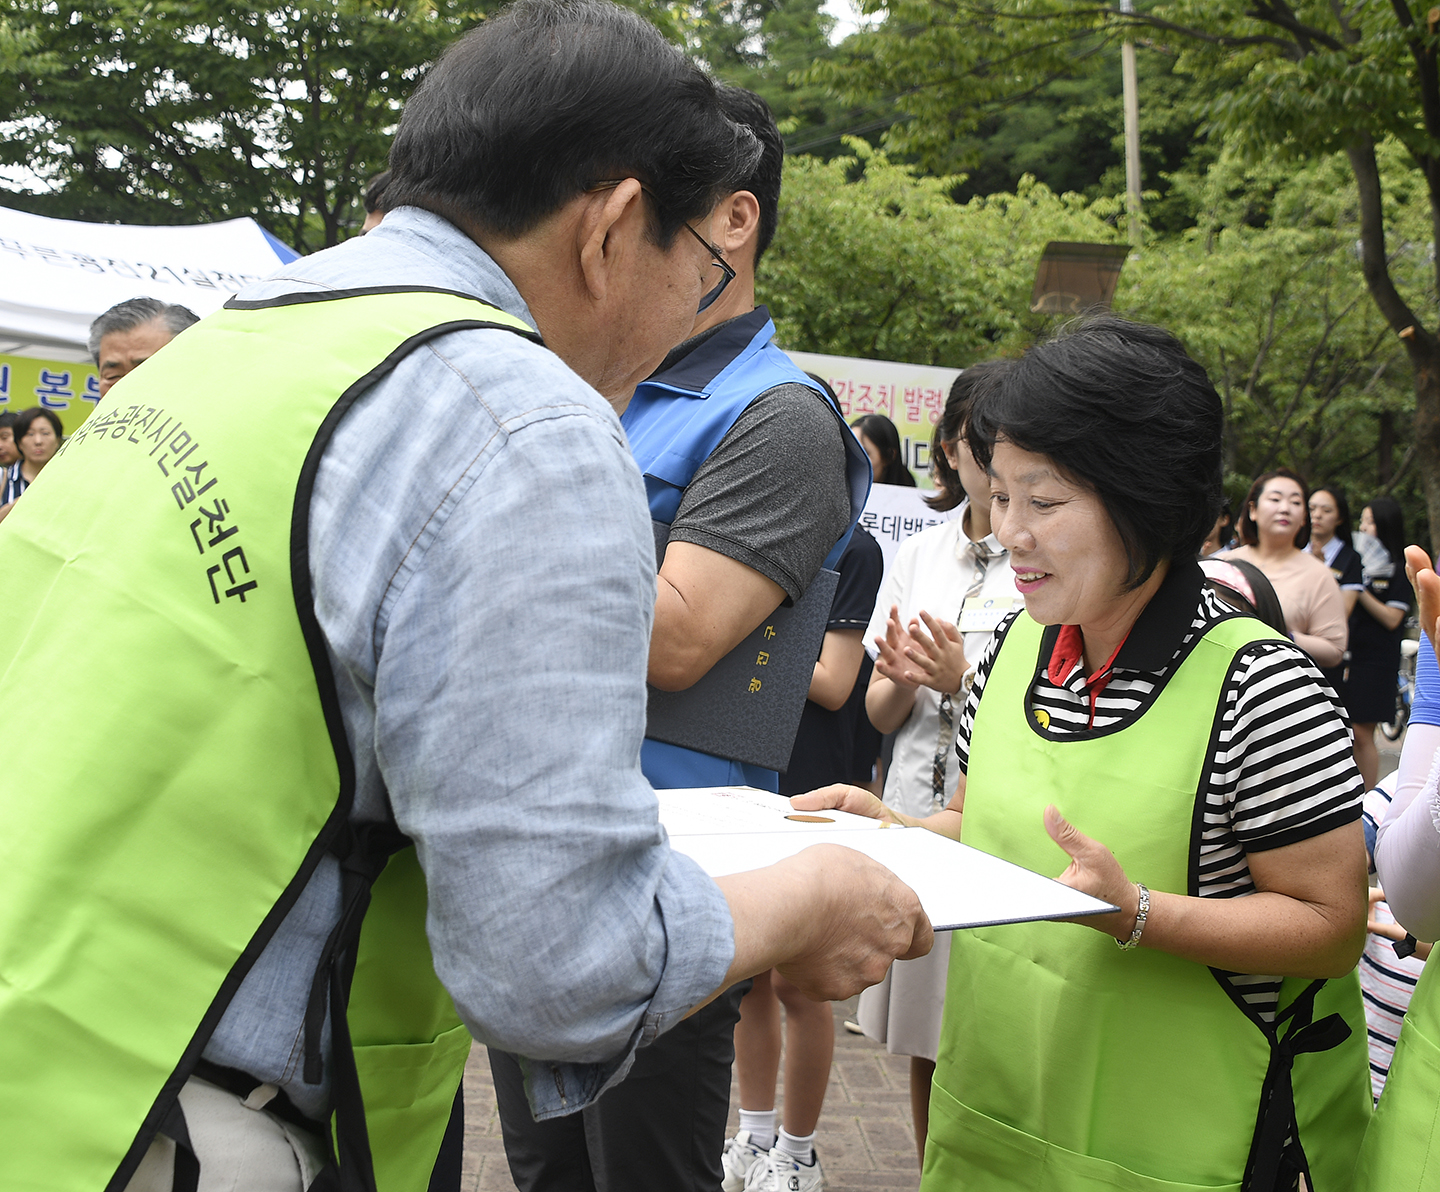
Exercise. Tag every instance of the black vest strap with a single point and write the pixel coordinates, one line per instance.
(363, 851)
(242, 1084)
(1276, 1155)
(186, 1177)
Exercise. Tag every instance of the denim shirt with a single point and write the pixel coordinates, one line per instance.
(484, 573)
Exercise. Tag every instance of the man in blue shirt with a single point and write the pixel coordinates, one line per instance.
(758, 480)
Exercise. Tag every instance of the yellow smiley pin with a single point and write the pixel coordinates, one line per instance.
(1042, 717)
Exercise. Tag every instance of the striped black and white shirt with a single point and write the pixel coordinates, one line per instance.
(1282, 771)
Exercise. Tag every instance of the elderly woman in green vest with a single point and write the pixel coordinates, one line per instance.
(1196, 771)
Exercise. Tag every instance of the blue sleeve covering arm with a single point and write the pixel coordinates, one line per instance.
(1407, 845)
(1425, 708)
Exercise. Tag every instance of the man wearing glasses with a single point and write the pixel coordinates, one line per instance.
(757, 479)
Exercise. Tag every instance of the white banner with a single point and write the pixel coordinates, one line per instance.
(896, 512)
(912, 396)
(60, 274)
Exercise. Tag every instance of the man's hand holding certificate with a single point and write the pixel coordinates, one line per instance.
(731, 830)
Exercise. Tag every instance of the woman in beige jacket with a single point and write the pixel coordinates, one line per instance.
(1274, 526)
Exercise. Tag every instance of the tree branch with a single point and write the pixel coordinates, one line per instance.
(1373, 263)
(1283, 16)
(1405, 461)
(1225, 41)
(1352, 35)
(1427, 82)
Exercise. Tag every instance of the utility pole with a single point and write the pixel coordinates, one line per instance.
(1132, 130)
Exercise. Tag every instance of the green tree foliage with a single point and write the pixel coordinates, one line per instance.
(952, 67)
(182, 111)
(1297, 79)
(1057, 118)
(1070, 135)
(871, 260)
(768, 46)
(1267, 292)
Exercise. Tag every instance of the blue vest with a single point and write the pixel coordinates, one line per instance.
(674, 421)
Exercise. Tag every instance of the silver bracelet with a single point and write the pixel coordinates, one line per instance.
(1141, 915)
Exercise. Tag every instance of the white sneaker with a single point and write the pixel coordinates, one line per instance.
(737, 1160)
(782, 1172)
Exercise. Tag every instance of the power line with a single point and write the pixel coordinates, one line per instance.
(855, 130)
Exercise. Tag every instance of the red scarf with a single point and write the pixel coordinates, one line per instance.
(1069, 653)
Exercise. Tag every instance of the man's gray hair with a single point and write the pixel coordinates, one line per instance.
(136, 312)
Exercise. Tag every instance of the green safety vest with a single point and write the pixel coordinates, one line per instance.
(186, 767)
(1068, 1065)
(1402, 1146)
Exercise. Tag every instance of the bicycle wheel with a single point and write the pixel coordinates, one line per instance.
(1392, 729)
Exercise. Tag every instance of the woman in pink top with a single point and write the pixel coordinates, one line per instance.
(1274, 526)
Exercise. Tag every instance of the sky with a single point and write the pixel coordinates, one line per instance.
(847, 16)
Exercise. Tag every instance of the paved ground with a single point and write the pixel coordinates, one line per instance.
(865, 1140)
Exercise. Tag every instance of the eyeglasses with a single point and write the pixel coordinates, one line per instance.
(727, 274)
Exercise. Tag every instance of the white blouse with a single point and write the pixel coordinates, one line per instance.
(933, 571)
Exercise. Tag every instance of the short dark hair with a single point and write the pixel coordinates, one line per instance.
(547, 98)
(1246, 528)
(1342, 506)
(8, 419)
(1389, 527)
(1121, 408)
(881, 431)
(26, 417)
(951, 426)
(748, 109)
(136, 312)
(374, 195)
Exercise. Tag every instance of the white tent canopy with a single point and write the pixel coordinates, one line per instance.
(58, 275)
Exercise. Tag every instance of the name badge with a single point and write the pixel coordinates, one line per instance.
(983, 614)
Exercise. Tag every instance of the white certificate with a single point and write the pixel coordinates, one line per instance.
(733, 829)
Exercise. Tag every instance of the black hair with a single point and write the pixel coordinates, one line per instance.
(24, 419)
(1246, 528)
(8, 419)
(136, 312)
(949, 429)
(748, 109)
(1227, 516)
(374, 196)
(1342, 507)
(1122, 409)
(881, 431)
(548, 98)
(1389, 527)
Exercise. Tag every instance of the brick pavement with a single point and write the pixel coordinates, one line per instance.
(865, 1139)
